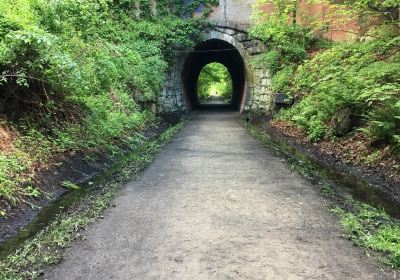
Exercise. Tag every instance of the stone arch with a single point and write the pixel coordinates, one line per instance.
(208, 51)
(252, 89)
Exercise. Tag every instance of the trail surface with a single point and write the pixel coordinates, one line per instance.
(216, 204)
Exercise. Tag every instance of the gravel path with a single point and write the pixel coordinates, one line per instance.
(216, 204)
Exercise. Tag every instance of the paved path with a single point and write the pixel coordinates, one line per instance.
(216, 204)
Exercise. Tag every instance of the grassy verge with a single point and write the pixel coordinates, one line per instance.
(374, 230)
(47, 247)
(365, 225)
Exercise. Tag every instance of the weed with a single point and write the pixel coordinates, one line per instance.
(47, 246)
(371, 158)
(326, 78)
(373, 229)
(70, 186)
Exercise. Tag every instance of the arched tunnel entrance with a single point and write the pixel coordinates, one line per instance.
(214, 50)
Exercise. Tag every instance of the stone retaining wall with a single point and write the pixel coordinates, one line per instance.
(258, 93)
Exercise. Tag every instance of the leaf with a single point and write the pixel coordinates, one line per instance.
(70, 186)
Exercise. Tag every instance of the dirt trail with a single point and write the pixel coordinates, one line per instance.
(216, 204)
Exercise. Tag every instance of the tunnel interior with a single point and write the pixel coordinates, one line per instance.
(209, 51)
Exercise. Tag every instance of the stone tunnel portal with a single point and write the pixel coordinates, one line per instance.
(214, 50)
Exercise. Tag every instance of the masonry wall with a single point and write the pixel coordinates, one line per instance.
(258, 95)
(232, 19)
(263, 97)
(338, 28)
(234, 11)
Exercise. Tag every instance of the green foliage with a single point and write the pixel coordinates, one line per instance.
(374, 230)
(74, 76)
(214, 79)
(287, 43)
(206, 6)
(283, 8)
(360, 76)
(13, 168)
(282, 80)
(70, 186)
(387, 10)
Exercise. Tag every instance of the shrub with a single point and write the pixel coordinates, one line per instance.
(287, 42)
(73, 75)
(361, 76)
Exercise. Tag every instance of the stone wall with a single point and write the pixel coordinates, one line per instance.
(231, 20)
(258, 93)
(338, 26)
(233, 11)
(172, 99)
(263, 98)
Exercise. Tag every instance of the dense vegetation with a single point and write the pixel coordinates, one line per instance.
(78, 76)
(339, 88)
(348, 91)
(214, 80)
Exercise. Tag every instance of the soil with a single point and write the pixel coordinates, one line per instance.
(77, 168)
(347, 155)
(7, 137)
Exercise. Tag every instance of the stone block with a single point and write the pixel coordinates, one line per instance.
(241, 37)
(264, 81)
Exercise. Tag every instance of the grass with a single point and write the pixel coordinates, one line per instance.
(365, 225)
(32, 151)
(374, 230)
(46, 248)
(70, 186)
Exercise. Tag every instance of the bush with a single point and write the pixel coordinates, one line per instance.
(282, 80)
(287, 42)
(362, 76)
(76, 73)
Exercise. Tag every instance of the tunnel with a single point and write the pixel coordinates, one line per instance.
(210, 51)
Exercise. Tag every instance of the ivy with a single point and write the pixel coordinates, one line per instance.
(206, 5)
